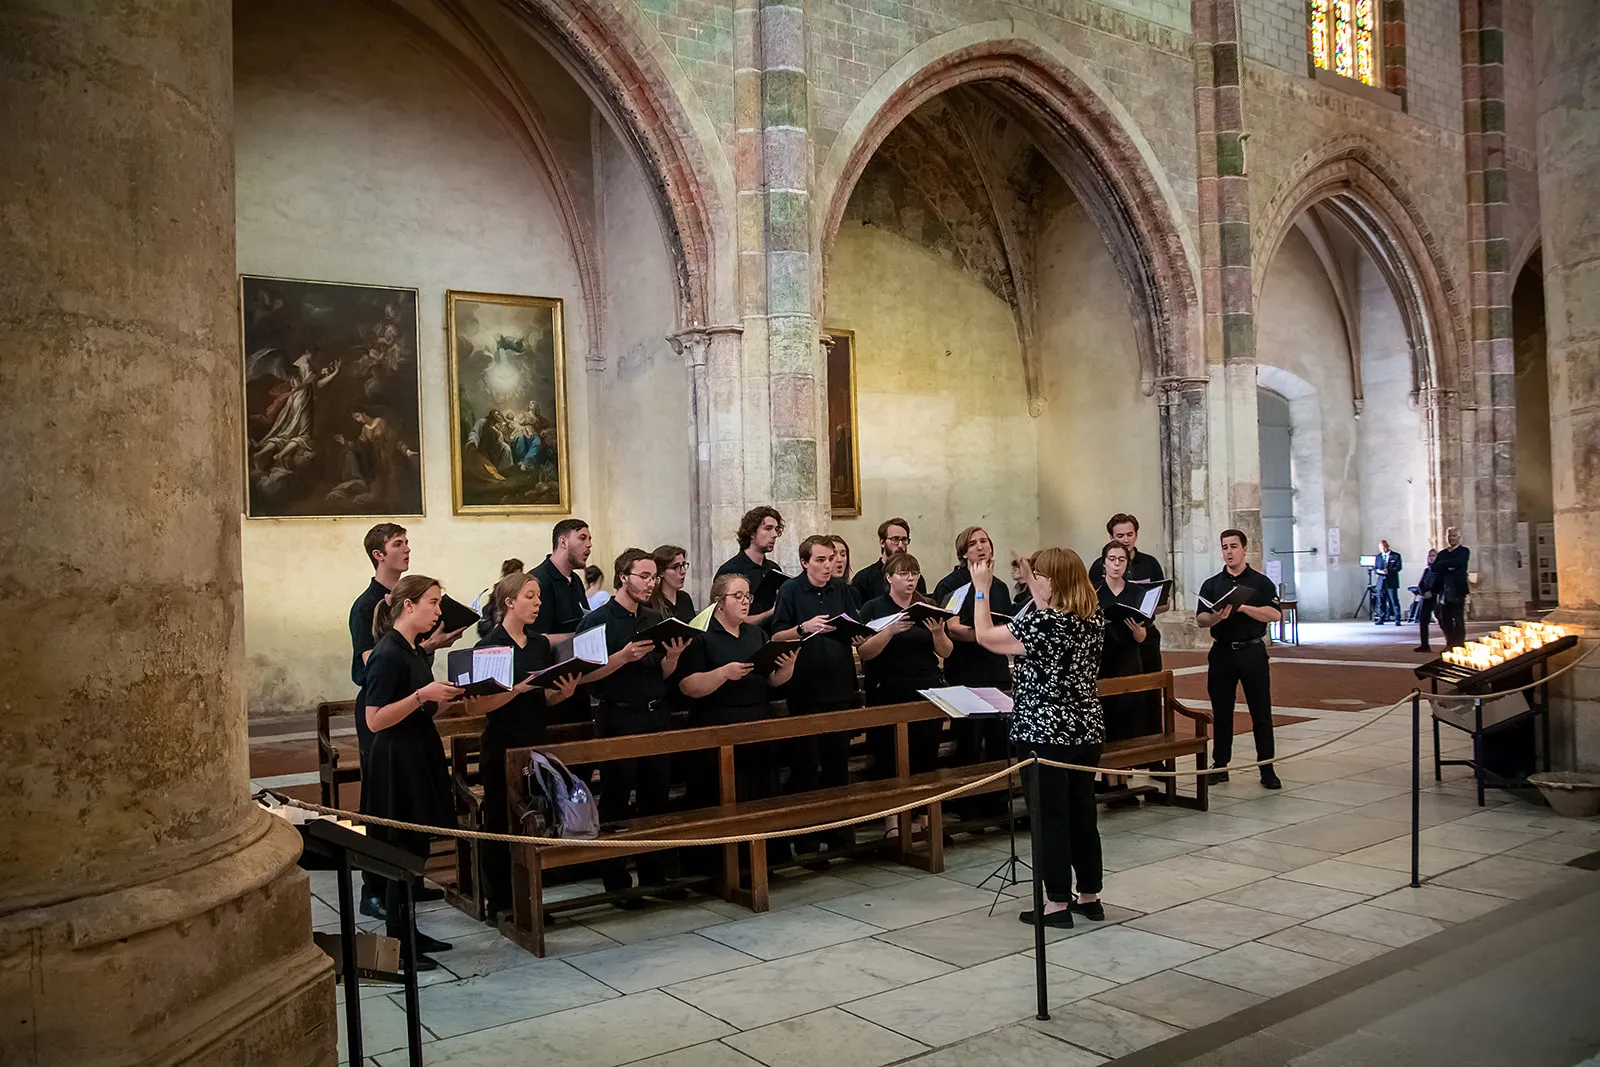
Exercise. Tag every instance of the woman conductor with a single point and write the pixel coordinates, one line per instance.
(405, 776)
(1057, 715)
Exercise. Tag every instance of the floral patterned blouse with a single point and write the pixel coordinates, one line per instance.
(1056, 695)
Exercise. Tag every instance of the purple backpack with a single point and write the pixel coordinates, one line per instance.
(560, 803)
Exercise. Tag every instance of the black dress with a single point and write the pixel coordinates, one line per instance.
(982, 738)
(746, 699)
(1131, 714)
(904, 665)
(521, 722)
(406, 776)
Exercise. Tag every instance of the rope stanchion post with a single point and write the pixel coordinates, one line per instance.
(1416, 788)
(1034, 834)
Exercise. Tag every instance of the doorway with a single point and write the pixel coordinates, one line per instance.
(1277, 490)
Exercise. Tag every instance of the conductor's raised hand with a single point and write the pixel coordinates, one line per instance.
(438, 693)
(817, 624)
(982, 572)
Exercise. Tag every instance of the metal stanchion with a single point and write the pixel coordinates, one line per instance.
(1416, 788)
(1040, 982)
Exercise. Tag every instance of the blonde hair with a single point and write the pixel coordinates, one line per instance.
(724, 582)
(1070, 590)
(506, 590)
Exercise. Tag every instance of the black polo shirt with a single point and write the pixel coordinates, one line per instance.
(522, 719)
(720, 648)
(826, 670)
(635, 684)
(562, 601)
(970, 663)
(681, 609)
(396, 669)
(907, 663)
(752, 572)
(361, 639)
(870, 583)
(1239, 626)
(1143, 567)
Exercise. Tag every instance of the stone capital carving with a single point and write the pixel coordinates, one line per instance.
(691, 344)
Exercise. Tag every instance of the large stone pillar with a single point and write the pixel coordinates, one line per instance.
(148, 911)
(1567, 42)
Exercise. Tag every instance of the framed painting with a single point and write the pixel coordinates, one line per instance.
(508, 405)
(844, 462)
(332, 419)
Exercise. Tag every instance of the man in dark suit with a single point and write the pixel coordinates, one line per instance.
(1388, 571)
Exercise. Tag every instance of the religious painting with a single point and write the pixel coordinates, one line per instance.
(844, 464)
(508, 405)
(332, 420)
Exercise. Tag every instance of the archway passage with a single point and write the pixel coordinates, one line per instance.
(1275, 434)
(1012, 313)
(1536, 535)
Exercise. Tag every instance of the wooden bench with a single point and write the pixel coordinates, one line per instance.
(332, 772)
(731, 817)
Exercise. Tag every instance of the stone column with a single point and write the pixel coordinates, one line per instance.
(148, 911)
(1567, 42)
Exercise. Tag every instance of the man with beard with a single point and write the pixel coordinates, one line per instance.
(562, 600)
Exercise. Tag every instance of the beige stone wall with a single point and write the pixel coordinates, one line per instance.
(944, 434)
(362, 159)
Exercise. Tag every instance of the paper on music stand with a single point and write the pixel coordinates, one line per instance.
(959, 702)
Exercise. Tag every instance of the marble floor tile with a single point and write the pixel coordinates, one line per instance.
(872, 876)
(965, 1003)
(1210, 828)
(986, 851)
(1122, 851)
(1335, 948)
(1298, 899)
(1396, 856)
(607, 1034)
(1158, 886)
(1120, 954)
(798, 985)
(1180, 1000)
(1268, 855)
(1213, 923)
(1519, 816)
(1555, 849)
(488, 953)
(1438, 902)
(662, 962)
(1480, 839)
(1011, 1046)
(974, 937)
(1432, 809)
(788, 933)
(383, 1029)
(796, 889)
(896, 906)
(1353, 877)
(709, 1054)
(1506, 877)
(658, 920)
(1283, 809)
(1336, 833)
(1102, 1028)
(1392, 928)
(827, 1038)
(542, 987)
(981, 878)
(1261, 969)
(1146, 815)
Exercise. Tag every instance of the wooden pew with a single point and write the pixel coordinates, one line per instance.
(332, 772)
(731, 817)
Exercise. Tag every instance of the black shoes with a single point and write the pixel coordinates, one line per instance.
(1059, 919)
(1270, 779)
(431, 944)
(373, 908)
(1422, 648)
(426, 963)
(1094, 911)
(1220, 776)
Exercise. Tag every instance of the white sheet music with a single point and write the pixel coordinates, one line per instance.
(887, 620)
(493, 663)
(958, 598)
(1147, 606)
(959, 702)
(591, 645)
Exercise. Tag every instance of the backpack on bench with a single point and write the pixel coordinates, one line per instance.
(560, 803)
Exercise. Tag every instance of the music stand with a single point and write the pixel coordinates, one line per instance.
(1007, 871)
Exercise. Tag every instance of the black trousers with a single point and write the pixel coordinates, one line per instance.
(647, 780)
(925, 737)
(1227, 669)
(394, 893)
(1067, 813)
(819, 762)
(1453, 621)
(755, 767)
(372, 885)
(1424, 617)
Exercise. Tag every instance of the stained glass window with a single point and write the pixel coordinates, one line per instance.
(1344, 37)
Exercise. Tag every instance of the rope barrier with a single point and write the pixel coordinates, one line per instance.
(696, 842)
(1468, 698)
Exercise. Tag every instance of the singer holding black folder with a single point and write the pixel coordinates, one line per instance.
(722, 675)
(405, 776)
(1056, 713)
(900, 659)
(1236, 605)
(1132, 714)
(517, 719)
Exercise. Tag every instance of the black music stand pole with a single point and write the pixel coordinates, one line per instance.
(1007, 871)
(347, 952)
(1416, 788)
(1040, 980)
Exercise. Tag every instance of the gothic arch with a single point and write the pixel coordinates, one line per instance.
(1086, 137)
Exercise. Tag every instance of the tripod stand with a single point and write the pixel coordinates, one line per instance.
(1006, 874)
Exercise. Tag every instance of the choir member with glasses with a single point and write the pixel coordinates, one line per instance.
(719, 674)
(758, 535)
(824, 673)
(631, 698)
(518, 719)
(671, 599)
(894, 535)
(1056, 714)
(404, 777)
(1142, 567)
(564, 601)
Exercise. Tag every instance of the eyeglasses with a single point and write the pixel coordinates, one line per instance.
(743, 598)
(897, 540)
(684, 566)
(647, 579)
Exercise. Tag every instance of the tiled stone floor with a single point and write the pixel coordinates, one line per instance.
(872, 963)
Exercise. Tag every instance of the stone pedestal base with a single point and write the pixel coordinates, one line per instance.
(1575, 700)
(209, 964)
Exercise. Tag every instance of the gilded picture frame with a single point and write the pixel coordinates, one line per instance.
(844, 454)
(332, 424)
(508, 404)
